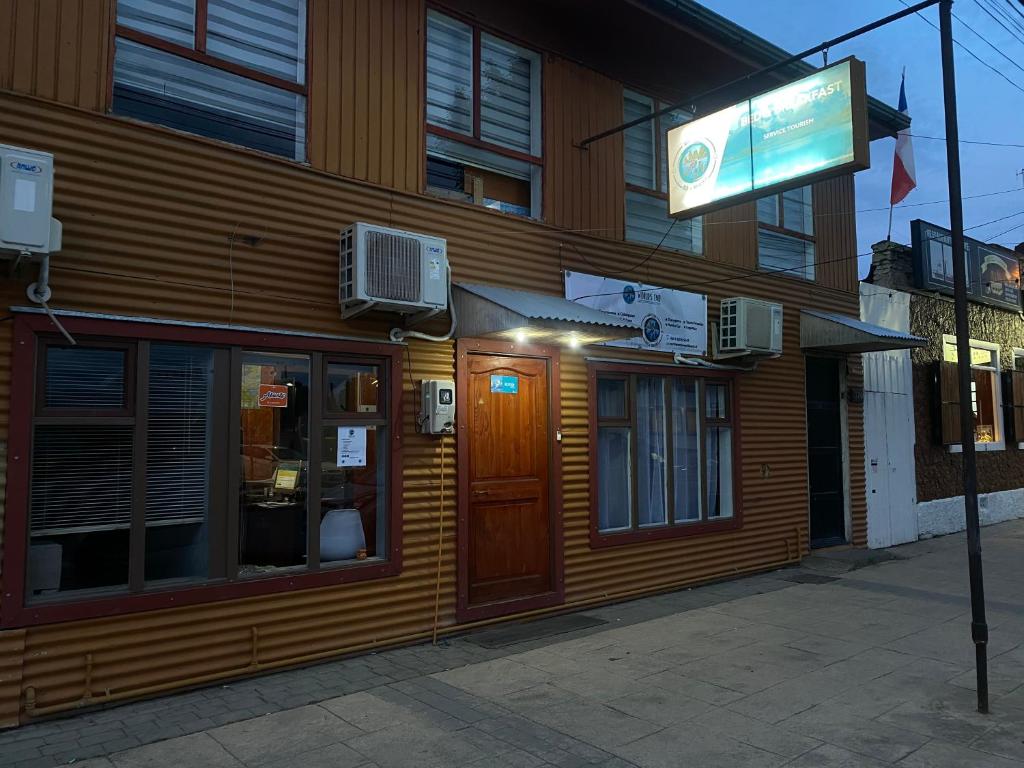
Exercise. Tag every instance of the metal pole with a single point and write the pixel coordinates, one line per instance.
(979, 627)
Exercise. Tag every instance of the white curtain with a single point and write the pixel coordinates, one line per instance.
(685, 451)
(651, 451)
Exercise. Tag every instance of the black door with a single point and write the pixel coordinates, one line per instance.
(825, 452)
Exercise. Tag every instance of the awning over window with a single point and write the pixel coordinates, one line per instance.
(490, 311)
(827, 331)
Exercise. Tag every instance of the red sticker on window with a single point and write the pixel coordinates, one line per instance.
(273, 396)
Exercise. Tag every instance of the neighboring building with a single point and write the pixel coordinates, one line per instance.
(184, 485)
(911, 408)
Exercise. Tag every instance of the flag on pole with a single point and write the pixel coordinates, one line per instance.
(904, 176)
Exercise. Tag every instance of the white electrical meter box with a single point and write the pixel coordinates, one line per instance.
(438, 415)
(26, 201)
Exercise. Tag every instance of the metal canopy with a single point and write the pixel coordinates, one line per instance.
(491, 311)
(827, 331)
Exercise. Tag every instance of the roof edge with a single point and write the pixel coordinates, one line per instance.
(716, 26)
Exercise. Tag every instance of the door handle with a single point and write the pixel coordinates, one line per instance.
(481, 493)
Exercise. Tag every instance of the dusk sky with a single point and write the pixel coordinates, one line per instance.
(990, 109)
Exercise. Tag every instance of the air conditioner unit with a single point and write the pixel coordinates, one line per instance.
(383, 268)
(750, 326)
(26, 202)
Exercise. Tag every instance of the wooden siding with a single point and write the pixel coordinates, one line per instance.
(835, 230)
(152, 237)
(366, 82)
(584, 189)
(56, 49)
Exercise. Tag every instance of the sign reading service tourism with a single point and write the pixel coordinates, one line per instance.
(802, 132)
(672, 321)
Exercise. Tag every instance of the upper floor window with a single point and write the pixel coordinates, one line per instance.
(646, 161)
(785, 234)
(219, 68)
(483, 118)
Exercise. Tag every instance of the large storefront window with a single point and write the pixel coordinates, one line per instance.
(158, 465)
(663, 459)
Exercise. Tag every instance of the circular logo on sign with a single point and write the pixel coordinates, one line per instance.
(694, 162)
(629, 294)
(652, 329)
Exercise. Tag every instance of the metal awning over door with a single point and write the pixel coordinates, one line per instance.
(831, 332)
(488, 311)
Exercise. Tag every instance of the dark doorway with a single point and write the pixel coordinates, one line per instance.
(825, 452)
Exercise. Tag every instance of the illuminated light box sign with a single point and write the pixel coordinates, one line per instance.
(993, 273)
(807, 130)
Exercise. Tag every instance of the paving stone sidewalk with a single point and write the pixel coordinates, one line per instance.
(865, 667)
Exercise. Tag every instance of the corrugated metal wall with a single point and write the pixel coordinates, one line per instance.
(365, 83)
(835, 229)
(56, 49)
(148, 219)
(579, 102)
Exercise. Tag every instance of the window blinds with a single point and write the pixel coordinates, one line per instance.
(83, 378)
(638, 144)
(506, 95)
(179, 429)
(81, 478)
(160, 87)
(172, 20)
(265, 35)
(647, 221)
(449, 73)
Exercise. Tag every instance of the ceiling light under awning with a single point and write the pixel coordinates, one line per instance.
(830, 332)
(488, 311)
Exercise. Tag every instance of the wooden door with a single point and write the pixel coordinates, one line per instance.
(509, 552)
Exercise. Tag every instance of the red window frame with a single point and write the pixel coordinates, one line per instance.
(198, 52)
(474, 140)
(682, 530)
(14, 612)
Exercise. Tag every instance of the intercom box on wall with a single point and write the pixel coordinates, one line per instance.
(438, 414)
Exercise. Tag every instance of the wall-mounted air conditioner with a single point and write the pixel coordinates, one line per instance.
(383, 268)
(750, 326)
(26, 202)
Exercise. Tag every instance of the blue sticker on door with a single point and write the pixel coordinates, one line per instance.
(505, 385)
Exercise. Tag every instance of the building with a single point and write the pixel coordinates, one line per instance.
(912, 421)
(166, 526)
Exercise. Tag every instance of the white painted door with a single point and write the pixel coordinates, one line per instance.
(889, 426)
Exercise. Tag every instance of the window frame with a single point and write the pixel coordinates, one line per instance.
(32, 332)
(996, 369)
(478, 30)
(661, 174)
(199, 55)
(637, 534)
(781, 229)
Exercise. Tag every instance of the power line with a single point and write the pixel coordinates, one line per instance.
(969, 141)
(987, 42)
(1000, 22)
(1016, 23)
(747, 274)
(971, 53)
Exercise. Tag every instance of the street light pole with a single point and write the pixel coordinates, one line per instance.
(979, 626)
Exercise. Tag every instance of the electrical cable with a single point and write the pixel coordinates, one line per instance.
(986, 41)
(968, 141)
(971, 53)
(997, 20)
(767, 272)
(1012, 19)
(440, 546)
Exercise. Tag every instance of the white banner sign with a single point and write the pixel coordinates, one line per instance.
(672, 321)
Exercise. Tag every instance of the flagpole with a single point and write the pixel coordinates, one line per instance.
(888, 234)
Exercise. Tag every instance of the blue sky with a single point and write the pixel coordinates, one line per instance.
(989, 108)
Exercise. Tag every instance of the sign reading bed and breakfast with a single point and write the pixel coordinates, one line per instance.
(672, 321)
(804, 131)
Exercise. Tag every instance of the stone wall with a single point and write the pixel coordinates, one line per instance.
(939, 472)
